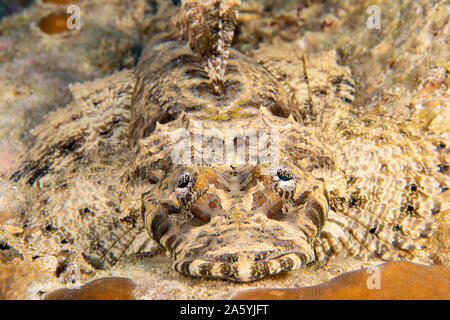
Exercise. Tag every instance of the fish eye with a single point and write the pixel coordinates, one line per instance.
(284, 174)
(284, 183)
(183, 180)
(184, 190)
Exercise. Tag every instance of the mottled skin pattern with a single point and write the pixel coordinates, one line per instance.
(237, 222)
(75, 166)
(171, 79)
(104, 169)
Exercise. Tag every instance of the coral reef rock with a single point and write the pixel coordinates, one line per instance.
(113, 288)
(25, 279)
(389, 281)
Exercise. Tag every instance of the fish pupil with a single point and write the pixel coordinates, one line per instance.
(183, 182)
(284, 175)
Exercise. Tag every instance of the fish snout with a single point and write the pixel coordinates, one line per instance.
(244, 266)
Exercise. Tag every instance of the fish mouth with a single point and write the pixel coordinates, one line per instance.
(244, 268)
(231, 249)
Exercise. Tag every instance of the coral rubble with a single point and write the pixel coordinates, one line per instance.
(25, 279)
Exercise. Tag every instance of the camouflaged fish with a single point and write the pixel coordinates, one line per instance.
(237, 165)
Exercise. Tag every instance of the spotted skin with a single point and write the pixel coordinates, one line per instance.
(158, 97)
(106, 172)
(222, 231)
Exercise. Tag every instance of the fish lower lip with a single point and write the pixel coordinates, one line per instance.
(242, 270)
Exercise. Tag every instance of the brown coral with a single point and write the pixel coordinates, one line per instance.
(112, 288)
(54, 23)
(397, 281)
(61, 1)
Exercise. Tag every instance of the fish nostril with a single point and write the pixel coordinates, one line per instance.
(206, 207)
(202, 215)
(275, 211)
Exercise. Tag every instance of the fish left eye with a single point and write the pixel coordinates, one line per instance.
(183, 181)
(284, 174)
(184, 187)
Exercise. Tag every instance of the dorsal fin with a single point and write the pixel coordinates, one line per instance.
(208, 26)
